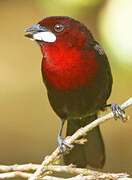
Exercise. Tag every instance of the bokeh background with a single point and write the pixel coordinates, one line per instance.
(28, 126)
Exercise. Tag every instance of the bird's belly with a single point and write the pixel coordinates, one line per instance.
(75, 104)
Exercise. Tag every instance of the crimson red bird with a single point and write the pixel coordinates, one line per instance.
(78, 79)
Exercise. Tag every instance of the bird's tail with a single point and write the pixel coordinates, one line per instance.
(91, 153)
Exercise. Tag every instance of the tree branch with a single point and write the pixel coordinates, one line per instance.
(75, 136)
(81, 173)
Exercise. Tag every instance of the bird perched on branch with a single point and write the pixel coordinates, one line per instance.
(78, 79)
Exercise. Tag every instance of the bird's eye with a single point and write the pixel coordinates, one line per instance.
(58, 27)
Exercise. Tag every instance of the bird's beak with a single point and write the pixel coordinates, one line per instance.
(40, 33)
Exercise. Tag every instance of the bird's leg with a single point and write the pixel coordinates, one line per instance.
(61, 141)
(117, 111)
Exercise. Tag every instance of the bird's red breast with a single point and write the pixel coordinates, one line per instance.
(68, 68)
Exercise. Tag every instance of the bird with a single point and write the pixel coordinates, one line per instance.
(78, 79)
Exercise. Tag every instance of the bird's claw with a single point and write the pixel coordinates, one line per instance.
(62, 142)
(118, 112)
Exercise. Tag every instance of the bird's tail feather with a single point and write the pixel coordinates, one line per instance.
(91, 153)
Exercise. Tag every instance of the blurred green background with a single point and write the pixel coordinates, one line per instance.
(28, 126)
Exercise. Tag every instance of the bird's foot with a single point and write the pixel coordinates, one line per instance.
(62, 142)
(118, 112)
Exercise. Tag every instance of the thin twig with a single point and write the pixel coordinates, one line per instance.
(77, 171)
(75, 136)
(17, 167)
(14, 174)
(80, 177)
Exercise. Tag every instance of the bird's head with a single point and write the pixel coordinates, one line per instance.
(56, 29)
